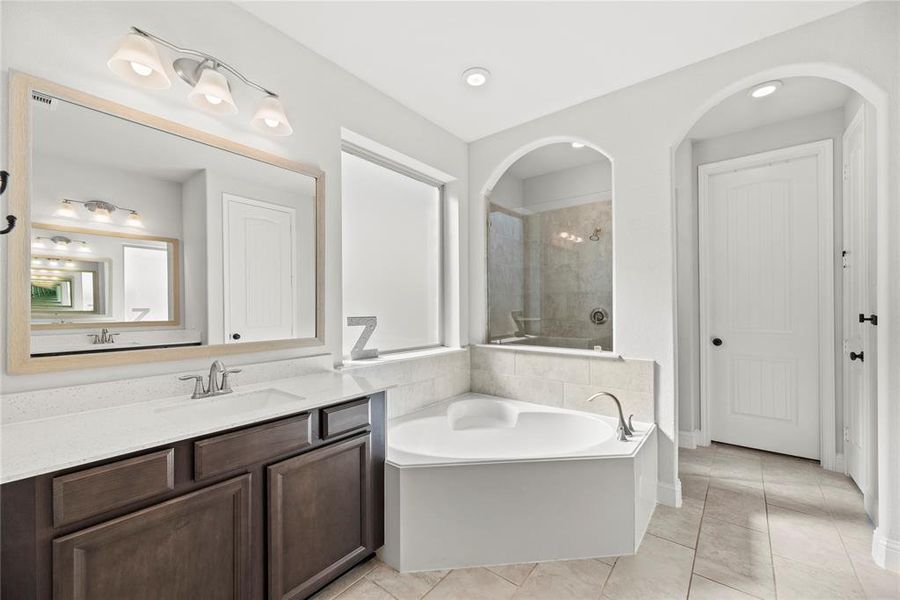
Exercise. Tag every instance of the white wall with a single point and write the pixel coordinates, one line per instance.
(660, 111)
(70, 43)
(585, 183)
(821, 126)
(509, 192)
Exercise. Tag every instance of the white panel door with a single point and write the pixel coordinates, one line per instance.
(857, 392)
(260, 281)
(760, 239)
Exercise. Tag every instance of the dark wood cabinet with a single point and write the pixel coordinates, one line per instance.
(320, 515)
(272, 510)
(193, 546)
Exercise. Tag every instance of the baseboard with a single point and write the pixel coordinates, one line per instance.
(839, 465)
(669, 494)
(885, 551)
(689, 439)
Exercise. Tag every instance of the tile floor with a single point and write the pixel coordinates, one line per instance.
(753, 525)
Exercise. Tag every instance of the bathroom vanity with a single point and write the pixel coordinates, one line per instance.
(272, 509)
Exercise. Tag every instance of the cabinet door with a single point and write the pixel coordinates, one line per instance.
(195, 546)
(320, 516)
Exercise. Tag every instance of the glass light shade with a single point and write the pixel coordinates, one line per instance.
(134, 220)
(270, 117)
(66, 209)
(102, 215)
(212, 94)
(137, 61)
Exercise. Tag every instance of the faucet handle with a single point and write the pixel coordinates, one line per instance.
(199, 390)
(630, 424)
(226, 384)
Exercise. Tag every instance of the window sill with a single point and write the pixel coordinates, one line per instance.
(552, 350)
(396, 357)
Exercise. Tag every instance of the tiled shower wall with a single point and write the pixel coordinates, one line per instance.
(506, 271)
(564, 279)
(565, 380)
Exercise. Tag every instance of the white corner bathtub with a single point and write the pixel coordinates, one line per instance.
(478, 480)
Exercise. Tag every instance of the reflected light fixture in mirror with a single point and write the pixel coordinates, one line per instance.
(138, 62)
(101, 210)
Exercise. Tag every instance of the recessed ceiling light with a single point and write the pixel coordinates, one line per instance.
(476, 76)
(765, 89)
(577, 145)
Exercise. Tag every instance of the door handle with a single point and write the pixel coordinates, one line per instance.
(873, 319)
(717, 341)
(857, 356)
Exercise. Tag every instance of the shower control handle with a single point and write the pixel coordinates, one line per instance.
(717, 341)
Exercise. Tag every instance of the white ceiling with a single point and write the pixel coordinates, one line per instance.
(551, 158)
(800, 96)
(544, 56)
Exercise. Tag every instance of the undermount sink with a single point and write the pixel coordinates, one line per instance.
(246, 401)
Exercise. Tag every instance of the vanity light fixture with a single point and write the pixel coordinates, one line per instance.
(476, 76)
(766, 89)
(206, 74)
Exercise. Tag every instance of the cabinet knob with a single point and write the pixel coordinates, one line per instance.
(235, 336)
(717, 341)
(857, 356)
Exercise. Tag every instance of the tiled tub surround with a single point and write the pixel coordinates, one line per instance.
(417, 379)
(565, 379)
(753, 525)
(477, 481)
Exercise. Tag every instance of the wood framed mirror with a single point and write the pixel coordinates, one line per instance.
(173, 242)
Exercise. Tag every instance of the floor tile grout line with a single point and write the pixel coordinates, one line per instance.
(530, 571)
(697, 539)
(769, 537)
(843, 543)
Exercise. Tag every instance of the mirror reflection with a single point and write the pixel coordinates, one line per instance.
(549, 257)
(161, 240)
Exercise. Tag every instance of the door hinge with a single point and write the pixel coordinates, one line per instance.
(846, 172)
(846, 434)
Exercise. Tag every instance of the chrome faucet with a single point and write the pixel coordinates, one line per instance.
(217, 384)
(624, 431)
(104, 337)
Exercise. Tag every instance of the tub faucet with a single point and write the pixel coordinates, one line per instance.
(624, 430)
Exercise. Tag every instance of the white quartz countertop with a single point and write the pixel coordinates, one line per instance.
(30, 448)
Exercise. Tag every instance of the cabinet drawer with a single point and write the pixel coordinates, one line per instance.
(345, 417)
(224, 453)
(94, 491)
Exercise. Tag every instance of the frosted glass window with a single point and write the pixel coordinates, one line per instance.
(391, 256)
(146, 278)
